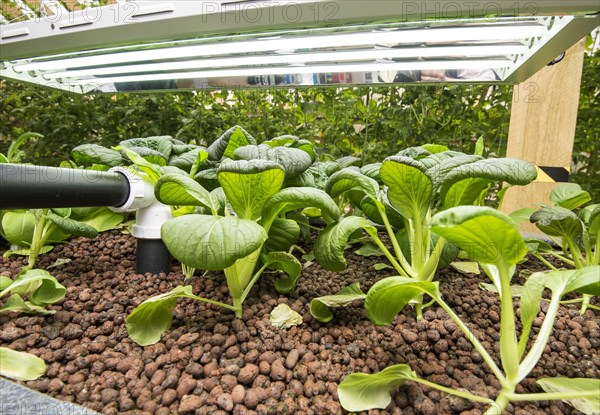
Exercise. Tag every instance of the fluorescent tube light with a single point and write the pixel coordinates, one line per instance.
(407, 36)
(359, 55)
(292, 70)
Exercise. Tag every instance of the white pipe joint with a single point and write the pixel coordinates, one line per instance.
(150, 213)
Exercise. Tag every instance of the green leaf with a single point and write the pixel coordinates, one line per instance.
(372, 171)
(18, 227)
(350, 179)
(71, 226)
(161, 145)
(558, 221)
(388, 296)
(380, 266)
(486, 235)
(479, 147)
(531, 294)
(535, 245)
(153, 171)
(16, 304)
(293, 198)
(512, 171)
(150, 155)
(410, 188)
(209, 242)
(248, 185)
(331, 242)
(435, 148)
(361, 391)
(369, 249)
(186, 160)
(348, 161)
(293, 160)
(587, 405)
(231, 139)
(466, 267)
(319, 307)
(569, 195)
(516, 290)
(178, 190)
(283, 317)
(522, 215)
(43, 250)
(3, 159)
(148, 321)
(466, 192)
(102, 219)
(290, 265)
(20, 365)
(5, 282)
(39, 285)
(88, 154)
(283, 233)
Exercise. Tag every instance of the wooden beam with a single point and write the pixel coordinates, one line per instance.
(542, 128)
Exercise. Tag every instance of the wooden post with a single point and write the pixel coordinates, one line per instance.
(542, 128)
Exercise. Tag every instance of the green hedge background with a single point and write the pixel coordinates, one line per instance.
(369, 122)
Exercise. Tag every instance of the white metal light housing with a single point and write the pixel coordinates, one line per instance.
(154, 45)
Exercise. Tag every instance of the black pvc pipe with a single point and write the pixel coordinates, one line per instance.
(33, 187)
(152, 256)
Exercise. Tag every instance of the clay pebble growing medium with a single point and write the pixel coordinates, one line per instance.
(211, 363)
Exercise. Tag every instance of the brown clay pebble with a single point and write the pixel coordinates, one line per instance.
(210, 362)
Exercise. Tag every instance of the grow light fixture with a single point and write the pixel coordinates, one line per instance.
(199, 44)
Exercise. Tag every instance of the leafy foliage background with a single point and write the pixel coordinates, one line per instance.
(372, 122)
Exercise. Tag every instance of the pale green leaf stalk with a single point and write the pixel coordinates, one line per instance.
(497, 249)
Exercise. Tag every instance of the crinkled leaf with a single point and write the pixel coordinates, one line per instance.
(569, 195)
(348, 161)
(287, 263)
(348, 179)
(71, 226)
(207, 179)
(283, 233)
(150, 155)
(512, 171)
(18, 227)
(388, 296)
(331, 242)
(558, 221)
(361, 391)
(319, 307)
(160, 145)
(148, 321)
(283, 317)
(293, 160)
(293, 198)
(248, 185)
(587, 405)
(231, 139)
(16, 304)
(441, 164)
(486, 235)
(209, 242)
(409, 187)
(88, 154)
(186, 160)
(178, 190)
(372, 171)
(20, 365)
